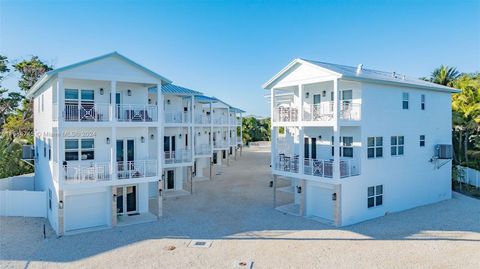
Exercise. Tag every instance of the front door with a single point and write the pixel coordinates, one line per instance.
(170, 183)
(169, 146)
(126, 200)
(125, 156)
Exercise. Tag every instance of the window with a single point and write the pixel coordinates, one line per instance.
(85, 152)
(397, 145)
(50, 199)
(50, 149)
(44, 149)
(422, 141)
(375, 196)
(405, 100)
(347, 146)
(422, 105)
(375, 147)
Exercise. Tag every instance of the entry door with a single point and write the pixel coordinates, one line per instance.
(169, 146)
(170, 183)
(118, 102)
(316, 99)
(125, 154)
(127, 200)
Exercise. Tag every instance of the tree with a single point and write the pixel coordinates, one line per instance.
(256, 129)
(444, 75)
(31, 70)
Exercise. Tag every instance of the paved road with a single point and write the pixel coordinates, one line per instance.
(234, 210)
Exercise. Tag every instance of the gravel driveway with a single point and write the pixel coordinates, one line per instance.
(235, 211)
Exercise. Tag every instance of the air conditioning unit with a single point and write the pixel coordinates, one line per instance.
(443, 151)
(28, 152)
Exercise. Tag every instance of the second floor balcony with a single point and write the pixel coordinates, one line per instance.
(177, 116)
(202, 119)
(97, 112)
(324, 111)
(203, 149)
(220, 144)
(178, 156)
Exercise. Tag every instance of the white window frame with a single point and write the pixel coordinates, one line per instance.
(397, 145)
(422, 141)
(80, 150)
(377, 145)
(405, 100)
(376, 196)
(422, 102)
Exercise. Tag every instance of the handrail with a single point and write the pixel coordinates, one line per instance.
(133, 113)
(136, 169)
(177, 116)
(93, 172)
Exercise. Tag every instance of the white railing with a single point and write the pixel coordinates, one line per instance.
(94, 172)
(324, 168)
(136, 113)
(203, 149)
(350, 111)
(202, 119)
(285, 114)
(177, 117)
(220, 144)
(220, 120)
(136, 169)
(287, 163)
(178, 156)
(319, 112)
(86, 112)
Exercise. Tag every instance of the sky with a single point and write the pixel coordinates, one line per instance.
(228, 49)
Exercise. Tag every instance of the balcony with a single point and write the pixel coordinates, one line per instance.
(203, 149)
(177, 117)
(137, 169)
(220, 144)
(285, 114)
(178, 156)
(219, 120)
(101, 172)
(324, 168)
(82, 173)
(136, 113)
(95, 112)
(202, 119)
(287, 163)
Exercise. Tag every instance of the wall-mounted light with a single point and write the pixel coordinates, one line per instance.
(319, 137)
(168, 101)
(101, 91)
(180, 135)
(324, 93)
(108, 140)
(142, 139)
(60, 204)
(307, 94)
(152, 137)
(199, 133)
(205, 132)
(114, 196)
(299, 189)
(334, 196)
(129, 92)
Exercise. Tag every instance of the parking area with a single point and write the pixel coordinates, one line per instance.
(234, 212)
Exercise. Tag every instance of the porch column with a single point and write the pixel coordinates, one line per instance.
(337, 209)
(193, 129)
(113, 138)
(59, 136)
(211, 130)
(61, 213)
(114, 206)
(301, 156)
(211, 167)
(273, 146)
(336, 132)
(229, 136)
(274, 191)
(273, 136)
(303, 197)
(160, 154)
(300, 106)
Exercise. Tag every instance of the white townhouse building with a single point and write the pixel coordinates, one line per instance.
(98, 149)
(357, 143)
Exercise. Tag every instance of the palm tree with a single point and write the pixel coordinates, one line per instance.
(444, 75)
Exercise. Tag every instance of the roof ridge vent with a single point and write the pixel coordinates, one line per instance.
(359, 68)
(394, 74)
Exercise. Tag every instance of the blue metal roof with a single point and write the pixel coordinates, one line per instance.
(175, 89)
(205, 99)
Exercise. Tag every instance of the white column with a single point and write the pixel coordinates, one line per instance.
(59, 136)
(300, 106)
(228, 133)
(211, 129)
(301, 162)
(113, 138)
(336, 132)
(192, 140)
(241, 130)
(273, 135)
(160, 130)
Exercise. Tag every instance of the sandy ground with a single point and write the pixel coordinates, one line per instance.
(235, 211)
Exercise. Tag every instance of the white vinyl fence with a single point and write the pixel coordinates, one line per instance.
(18, 198)
(469, 176)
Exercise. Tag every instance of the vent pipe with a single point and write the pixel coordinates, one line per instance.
(359, 68)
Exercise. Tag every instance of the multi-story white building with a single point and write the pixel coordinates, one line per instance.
(358, 143)
(99, 126)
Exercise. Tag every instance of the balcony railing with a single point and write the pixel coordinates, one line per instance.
(202, 119)
(285, 114)
(220, 120)
(94, 172)
(287, 163)
(220, 144)
(178, 156)
(177, 117)
(137, 169)
(324, 168)
(203, 149)
(85, 112)
(136, 113)
(350, 111)
(319, 112)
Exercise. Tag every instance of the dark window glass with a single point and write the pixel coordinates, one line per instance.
(379, 152)
(71, 156)
(371, 153)
(379, 141)
(379, 189)
(400, 150)
(371, 191)
(379, 200)
(71, 144)
(371, 202)
(71, 94)
(394, 151)
(371, 141)
(348, 152)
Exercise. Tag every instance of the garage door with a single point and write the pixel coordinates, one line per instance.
(86, 211)
(319, 202)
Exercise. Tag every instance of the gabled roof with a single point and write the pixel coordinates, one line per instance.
(363, 74)
(48, 75)
(179, 90)
(208, 99)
